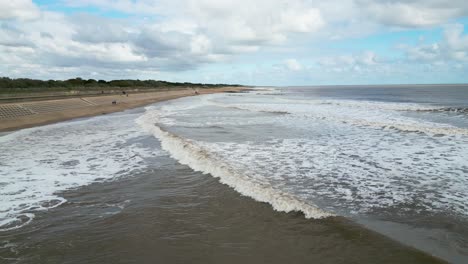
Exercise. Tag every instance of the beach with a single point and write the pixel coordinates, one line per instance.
(265, 176)
(98, 190)
(206, 132)
(17, 115)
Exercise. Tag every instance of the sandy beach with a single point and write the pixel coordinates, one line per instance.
(223, 178)
(26, 114)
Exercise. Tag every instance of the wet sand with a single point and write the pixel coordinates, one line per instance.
(170, 214)
(87, 106)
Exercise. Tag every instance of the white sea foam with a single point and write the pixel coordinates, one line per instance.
(347, 158)
(350, 159)
(191, 153)
(38, 163)
(383, 105)
(358, 175)
(370, 114)
(365, 104)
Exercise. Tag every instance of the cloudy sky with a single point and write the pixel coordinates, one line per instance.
(258, 42)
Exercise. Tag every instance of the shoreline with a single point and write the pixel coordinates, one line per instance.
(71, 108)
(294, 227)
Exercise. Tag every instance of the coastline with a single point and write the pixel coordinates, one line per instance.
(168, 200)
(93, 106)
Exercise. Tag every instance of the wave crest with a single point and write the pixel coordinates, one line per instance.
(189, 153)
(385, 121)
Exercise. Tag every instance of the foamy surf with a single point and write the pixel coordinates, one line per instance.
(37, 164)
(189, 153)
(367, 114)
(348, 160)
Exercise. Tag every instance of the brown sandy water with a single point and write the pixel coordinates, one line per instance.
(171, 214)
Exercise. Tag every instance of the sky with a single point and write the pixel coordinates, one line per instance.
(250, 42)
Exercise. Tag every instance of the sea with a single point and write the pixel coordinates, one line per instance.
(323, 174)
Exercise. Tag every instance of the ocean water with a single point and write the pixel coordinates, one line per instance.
(37, 163)
(329, 174)
(394, 159)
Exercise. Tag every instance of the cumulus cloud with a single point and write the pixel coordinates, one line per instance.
(18, 9)
(354, 62)
(424, 62)
(453, 47)
(253, 23)
(93, 29)
(200, 44)
(244, 22)
(413, 13)
(424, 53)
(293, 65)
(455, 39)
(178, 35)
(193, 33)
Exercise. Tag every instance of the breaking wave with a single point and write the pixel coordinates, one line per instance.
(461, 110)
(189, 153)
(378, 105)
(37, 164)
(380, 119)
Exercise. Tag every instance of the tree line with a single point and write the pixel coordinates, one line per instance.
(25, 84)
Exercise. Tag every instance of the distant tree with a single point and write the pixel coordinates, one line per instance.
(91, 82)
(27, 85)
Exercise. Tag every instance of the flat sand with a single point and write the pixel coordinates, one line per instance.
(15, 116)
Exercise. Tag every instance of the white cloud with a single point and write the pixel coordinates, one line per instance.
(293, 65)
(18, 9)
(51, 40)
(245, 22)
(414, 13)
(342, 62)
(368, 58)
(453, 47)
(308, 20)
(424, 53)
(177, 35)
(191, 33)
(200, 45)
(106, 52)
(453, 36)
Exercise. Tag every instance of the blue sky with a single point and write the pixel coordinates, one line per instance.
(274, 42)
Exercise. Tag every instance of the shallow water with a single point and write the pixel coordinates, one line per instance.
(373, 155)
(306, 176)
(171, 214)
